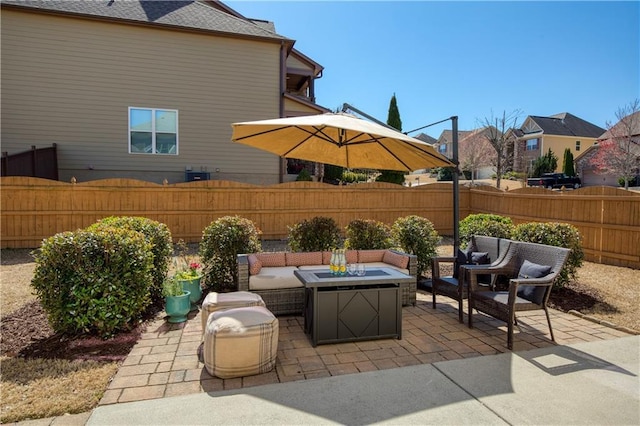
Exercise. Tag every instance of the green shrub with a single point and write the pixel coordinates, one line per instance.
(319, 233)
(444, 174)
(304, 176)
(559, 235)
(391, 176)
(94, 282)
(352, 177)
(156, 233)
(491, 225)
(222, 241)
(416, 235)
(368, 235)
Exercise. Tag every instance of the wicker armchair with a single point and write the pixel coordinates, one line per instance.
(532, 268)
(455, 285)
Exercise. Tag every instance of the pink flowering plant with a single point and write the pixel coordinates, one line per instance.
(186, 268)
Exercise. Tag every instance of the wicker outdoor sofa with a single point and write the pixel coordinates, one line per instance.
(270, 274)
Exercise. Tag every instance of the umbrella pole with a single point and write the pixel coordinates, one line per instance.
(456, 188)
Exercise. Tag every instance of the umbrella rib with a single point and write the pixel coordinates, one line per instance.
(318, 133)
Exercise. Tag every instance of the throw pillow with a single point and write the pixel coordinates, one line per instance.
(272, 259)
(481, 258)
(462, 258)
(352, 256)
(254, 264)
(368, 256)
(396, 259)
(307, 258)
(532, 270)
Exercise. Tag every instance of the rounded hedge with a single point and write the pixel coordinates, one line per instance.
(490, 225)
(95, 282)
(416, 235)
(559, 235)
(318, 234)
(365, 234)
(222, 241)
(156, 233)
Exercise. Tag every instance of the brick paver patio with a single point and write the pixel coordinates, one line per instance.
(165, 360)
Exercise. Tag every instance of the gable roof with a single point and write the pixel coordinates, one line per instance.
(426, 138)
(185, 14)
(565, 124)
(447, 136)
(630, 123)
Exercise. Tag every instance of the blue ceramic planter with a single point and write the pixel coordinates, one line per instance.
(177, 307)
(193, 286)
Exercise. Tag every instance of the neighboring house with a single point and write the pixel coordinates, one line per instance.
(589, 173)
(444, 144)
(476, 153)
(426, 138)
(468, 143)
(147, 89)
(539, 134)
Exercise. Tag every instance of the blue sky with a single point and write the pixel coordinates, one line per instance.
(470, 59)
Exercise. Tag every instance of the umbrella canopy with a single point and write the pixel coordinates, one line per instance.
(339, 139)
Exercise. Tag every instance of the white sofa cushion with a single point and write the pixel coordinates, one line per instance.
(311, 267)
(372, 265)
(273, 278)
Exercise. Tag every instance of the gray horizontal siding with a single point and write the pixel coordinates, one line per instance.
(71, 81)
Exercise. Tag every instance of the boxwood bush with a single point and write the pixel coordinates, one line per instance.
(416, 235)
(368, 235)
(95, 282)
(559, 235)
(319, 233)
(156, 233)
(491, 225)
(221, 243)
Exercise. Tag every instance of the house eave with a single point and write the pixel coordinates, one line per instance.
(123, 21)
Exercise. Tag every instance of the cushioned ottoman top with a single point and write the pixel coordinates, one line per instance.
(238, 320)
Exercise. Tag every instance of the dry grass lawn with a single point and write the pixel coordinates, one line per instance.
(38, 388)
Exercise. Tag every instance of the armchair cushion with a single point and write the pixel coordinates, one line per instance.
(254, 264)
(462, 258)
(532, 270)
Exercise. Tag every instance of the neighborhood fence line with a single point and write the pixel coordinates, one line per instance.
(33, 209)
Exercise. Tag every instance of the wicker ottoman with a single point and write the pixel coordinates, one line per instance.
(220, 301)
(240, 342)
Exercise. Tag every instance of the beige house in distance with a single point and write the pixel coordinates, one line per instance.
(147, 90)
(560, 131)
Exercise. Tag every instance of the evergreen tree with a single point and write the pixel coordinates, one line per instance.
(567, 166)
(393, 120)
(545, 164)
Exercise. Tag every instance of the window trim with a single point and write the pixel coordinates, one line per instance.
(153, 130)
(578, 146)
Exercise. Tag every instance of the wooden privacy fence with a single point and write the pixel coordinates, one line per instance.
(33, 209)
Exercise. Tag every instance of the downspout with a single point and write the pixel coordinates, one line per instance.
(283, 82)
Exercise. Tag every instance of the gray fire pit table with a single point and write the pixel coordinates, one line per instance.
(351, 308)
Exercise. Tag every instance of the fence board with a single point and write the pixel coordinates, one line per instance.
(33, 209)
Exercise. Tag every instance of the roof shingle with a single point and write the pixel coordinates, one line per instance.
(190, 14)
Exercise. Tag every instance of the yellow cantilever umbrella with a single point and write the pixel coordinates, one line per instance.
(340, 139)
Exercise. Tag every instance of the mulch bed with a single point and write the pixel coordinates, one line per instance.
(26, 333)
